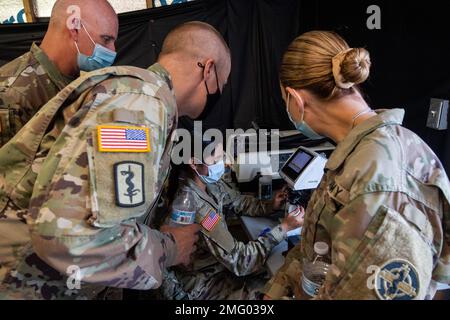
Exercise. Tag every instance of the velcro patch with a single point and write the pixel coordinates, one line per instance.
(210, 221)
(129, 184)
(397, 280)
(123, 139)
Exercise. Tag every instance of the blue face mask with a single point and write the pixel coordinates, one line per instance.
(302, 126)
(215, 172)
(101, 57)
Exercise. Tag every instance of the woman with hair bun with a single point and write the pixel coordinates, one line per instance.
(382, 206)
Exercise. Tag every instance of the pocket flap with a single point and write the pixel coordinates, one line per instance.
(386, 260)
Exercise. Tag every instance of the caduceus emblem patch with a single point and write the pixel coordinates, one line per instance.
(129, 184)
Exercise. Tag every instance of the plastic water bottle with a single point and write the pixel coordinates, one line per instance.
(183, 209)
(315, 272)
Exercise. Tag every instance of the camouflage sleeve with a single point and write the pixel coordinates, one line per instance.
(285, 283)
(246, 258)
(127, 254)
(245, 204)
(442, 271)
(362, 234)
(171, 287)
(13, 116)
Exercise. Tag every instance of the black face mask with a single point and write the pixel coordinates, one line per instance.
(211, 98)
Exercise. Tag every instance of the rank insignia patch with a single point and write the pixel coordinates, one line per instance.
(397, 280)
(123, 139)
(210, 220)
(129, 184)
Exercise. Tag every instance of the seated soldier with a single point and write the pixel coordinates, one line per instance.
(223, 267)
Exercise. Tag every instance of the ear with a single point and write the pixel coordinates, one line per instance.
(73, 25)
(74, 34)
(208, 70)
(296, 95)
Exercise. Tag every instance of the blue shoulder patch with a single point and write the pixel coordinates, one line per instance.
(397, 280)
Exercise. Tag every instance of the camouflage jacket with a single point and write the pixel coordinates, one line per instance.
(221, 260)
(89, 200)
(383, 208)
(26, 84)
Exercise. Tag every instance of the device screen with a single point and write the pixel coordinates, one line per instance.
(297, 164)
(300, 161)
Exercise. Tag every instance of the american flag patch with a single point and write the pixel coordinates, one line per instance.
(210, 221)
(123, 139)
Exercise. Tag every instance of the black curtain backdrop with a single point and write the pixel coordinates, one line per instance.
(410, 54)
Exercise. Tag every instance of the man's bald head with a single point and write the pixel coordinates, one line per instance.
(72, 25)
(199, 62)
(89, 11)
(197, 40)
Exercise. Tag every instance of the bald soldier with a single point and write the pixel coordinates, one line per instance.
(77, 39)
(101, 148)
(31, 80)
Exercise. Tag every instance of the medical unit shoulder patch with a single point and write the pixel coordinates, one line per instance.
(210, 221)
(123, 139)
(397, 280)
(129, 184)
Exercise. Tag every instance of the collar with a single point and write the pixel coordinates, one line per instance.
(60, 80)
(162, 72)
(191, 185)
(346, 146)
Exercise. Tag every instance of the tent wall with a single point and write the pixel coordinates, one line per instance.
(410, 53)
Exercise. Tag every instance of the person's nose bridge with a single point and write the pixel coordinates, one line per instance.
(112, 45)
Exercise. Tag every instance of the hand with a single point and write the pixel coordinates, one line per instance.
(279, 198)
(294, 220)
(185, 238)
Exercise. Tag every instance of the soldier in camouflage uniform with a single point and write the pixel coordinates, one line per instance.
(28, 83)
(31, 80)
(93, 161)
(383, 204)
(223, 267)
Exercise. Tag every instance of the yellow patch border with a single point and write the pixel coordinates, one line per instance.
(99, 141)
(214, 225)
